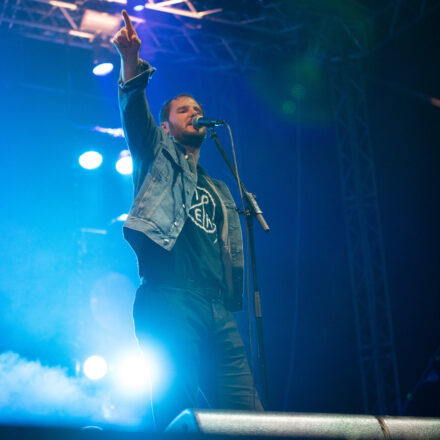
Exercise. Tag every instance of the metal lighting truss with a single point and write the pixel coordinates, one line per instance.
(377, 358)
(208, 37)
(228, 35)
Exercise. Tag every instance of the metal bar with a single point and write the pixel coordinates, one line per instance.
(36, 25)
(228, 48)
(176, 11)
(69, 19)
(166, 3)
(59, 4)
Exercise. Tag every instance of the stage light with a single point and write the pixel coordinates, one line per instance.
(124, 165)
(101, 56)
(64, 5)
(103, 69)
(100, 23)
(81, 34)
(139, 8)
(133, 373)
(95, 367)
(90, 160)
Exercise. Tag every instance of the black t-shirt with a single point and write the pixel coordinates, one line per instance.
(196, 254)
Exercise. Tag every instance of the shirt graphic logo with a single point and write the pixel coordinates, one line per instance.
(203, 210)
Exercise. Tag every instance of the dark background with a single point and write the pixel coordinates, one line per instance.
(66, 295)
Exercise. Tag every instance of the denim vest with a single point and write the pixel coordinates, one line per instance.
(164, 179)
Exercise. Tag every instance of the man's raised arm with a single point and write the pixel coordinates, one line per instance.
(141, 131)
(127, 43)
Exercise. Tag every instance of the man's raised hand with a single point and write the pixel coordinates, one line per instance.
(126, 41)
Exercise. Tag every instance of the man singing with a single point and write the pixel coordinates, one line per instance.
(184, 227)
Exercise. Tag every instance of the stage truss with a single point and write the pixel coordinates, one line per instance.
(366, 256)
(227, 35)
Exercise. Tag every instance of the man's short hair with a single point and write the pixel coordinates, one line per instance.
(164, 114)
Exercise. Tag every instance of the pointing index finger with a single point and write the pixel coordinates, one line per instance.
(128, 23)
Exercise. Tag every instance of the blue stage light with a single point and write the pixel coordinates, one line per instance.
(95, 367)
(90, 160)
(124, 165)
(103, 69)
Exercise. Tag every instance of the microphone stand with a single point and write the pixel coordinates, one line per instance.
(252, 210)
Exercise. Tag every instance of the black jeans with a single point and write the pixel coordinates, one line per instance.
(199, 344)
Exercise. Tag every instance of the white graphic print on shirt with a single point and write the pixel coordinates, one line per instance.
(202, 211)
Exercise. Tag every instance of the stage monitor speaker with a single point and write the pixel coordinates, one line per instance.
(306, 426)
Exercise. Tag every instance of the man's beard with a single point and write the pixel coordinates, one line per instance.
(194, 140)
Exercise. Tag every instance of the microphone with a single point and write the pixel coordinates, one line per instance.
(199, 122)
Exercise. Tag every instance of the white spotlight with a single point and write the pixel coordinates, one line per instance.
(102, 69)
(124, 165)
(95, 367)
(90, 160)
(134, 373)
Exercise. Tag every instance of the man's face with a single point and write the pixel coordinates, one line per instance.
(179, 124)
